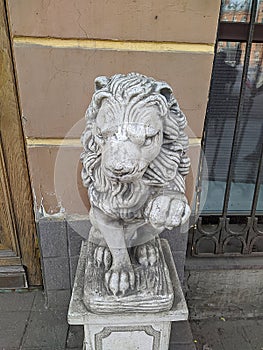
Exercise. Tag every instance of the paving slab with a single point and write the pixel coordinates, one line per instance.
(58, 299)
(222, 334)
(27, 324)
(39, 303)
(75, 337)
(46, 329)
(12, 327)
(16, 301)
(176, 346)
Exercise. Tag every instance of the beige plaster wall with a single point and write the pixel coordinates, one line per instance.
(61, 46)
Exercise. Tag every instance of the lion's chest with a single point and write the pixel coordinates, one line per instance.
(124, 201)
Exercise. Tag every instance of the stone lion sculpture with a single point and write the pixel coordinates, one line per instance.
(134, 165)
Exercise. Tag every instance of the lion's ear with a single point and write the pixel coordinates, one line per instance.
(101, 82)
(164, 89)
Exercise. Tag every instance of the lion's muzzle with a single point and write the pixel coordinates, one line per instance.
(122, 161)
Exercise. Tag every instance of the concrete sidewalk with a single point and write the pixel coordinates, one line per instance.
(222, 334)
(26, 323)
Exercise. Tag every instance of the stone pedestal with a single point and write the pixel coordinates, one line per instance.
(130, 331)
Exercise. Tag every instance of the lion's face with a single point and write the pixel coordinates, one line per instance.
(134, 137)
(129, 139)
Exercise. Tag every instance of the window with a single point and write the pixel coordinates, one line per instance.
(230, 200)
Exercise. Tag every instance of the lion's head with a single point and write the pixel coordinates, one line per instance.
(134, 132)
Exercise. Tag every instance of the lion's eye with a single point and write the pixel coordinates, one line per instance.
(100, 139)
(99, 134)
(148, 140)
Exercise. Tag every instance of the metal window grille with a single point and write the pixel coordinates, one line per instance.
(229, 200)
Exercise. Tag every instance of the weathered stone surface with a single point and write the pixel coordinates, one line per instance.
(53, 238)
(229, 334)
(46, 328)
(134, 166)
(186, 21)
(75, 337)
(78, 313)
(126, 291)
(227, 293)
(12, 328)
(59, 103)
(43, 163)
(57, 299)
(151, 291)
(125, 330)
(129, 337)
(53, 171)
(56, 272)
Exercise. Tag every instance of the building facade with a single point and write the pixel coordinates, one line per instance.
(55, 50)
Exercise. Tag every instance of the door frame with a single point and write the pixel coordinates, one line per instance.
(19, 199)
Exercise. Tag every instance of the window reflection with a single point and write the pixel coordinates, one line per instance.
(235, 10)
(259, 208)
(259, 17)
(221, 118)
(249, 140)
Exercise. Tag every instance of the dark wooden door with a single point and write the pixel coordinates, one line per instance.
(19, 255)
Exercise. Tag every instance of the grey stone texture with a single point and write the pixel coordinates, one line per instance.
(27, 324)
(56, 273)
(60, 241)
(16, 301)
(224, 287)
(79, 226)
(22, 311)
(177, 239)
(181, 336)
(12, 328)
(218, 334)
(75, 337)
(73, 263)
(51, 324)
(58, 298)
(181, 332)
(135, 172)
(52, 236)
(126, 323)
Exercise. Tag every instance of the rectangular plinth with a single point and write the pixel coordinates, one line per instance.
(141, 331)
(153, 336)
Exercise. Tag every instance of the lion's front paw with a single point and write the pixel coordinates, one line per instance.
(119, 280)
(167, 212)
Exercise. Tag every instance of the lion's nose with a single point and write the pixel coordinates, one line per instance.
(121, 171)
(118, 167)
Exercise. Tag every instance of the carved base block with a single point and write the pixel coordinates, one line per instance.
(152, 292)
(129, 331)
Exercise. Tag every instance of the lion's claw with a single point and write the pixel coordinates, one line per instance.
(102, 257)
(119, 280)
(147, 254)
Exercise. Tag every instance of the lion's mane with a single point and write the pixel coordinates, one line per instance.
(167, 170)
